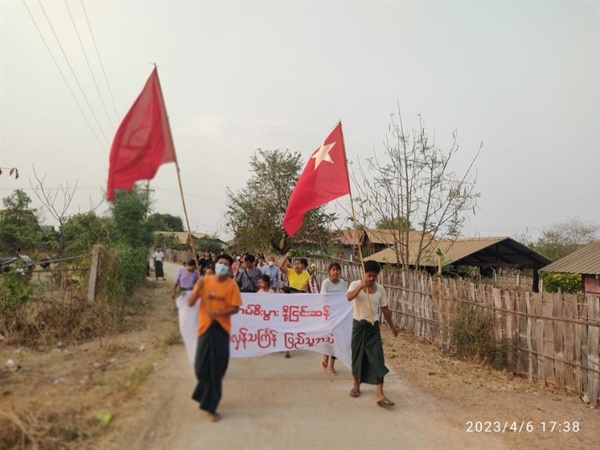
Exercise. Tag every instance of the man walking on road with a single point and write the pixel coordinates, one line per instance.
(219, 299)
(368, 365)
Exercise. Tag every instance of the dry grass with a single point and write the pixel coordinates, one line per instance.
(79, 360)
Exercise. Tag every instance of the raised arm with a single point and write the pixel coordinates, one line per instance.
(282, 263)
(351, 294)
(196, 291)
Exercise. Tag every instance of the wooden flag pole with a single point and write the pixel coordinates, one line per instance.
(187, 219)
(360, 254)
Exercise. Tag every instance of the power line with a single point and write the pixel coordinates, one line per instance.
(64, 78)
(100, 59)
(89, 65)
(73, 73)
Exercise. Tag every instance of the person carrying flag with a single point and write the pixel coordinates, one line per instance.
(368, 365)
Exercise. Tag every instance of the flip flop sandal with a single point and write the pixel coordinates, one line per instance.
(385, 403)
(354, 392)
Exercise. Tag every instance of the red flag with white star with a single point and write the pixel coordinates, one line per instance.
(324, 178)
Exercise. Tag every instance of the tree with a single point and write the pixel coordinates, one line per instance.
(412, 187)
(19, 226)
(57, 209)
(164, 222)
(255, 213)
(129, 225)
(82, 231)
(565, 237)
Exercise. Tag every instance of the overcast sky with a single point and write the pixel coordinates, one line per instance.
(523, 78)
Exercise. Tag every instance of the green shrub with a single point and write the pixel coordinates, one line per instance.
(123, 270)
(569, 283)
(472, 332)
(14, 291)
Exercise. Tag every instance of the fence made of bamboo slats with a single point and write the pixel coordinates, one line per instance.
(553, 338)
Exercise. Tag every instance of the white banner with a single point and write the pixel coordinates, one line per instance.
(270, 323)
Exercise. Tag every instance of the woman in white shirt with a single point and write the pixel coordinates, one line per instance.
(329, 286)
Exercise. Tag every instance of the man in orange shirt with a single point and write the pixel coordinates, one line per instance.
(219, 299)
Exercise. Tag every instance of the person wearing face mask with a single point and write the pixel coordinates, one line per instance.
(273, 271)
(220, 298)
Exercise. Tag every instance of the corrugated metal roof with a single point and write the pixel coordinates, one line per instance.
(350, 237)
(586, 260)
(389, 237)
(493, 251)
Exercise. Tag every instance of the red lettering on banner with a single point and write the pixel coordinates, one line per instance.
(293, 313)
(256, 310)
(263, 337)
(300, 340)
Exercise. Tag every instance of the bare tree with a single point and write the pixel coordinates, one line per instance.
(412, 185)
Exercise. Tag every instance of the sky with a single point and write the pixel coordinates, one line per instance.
(520, 77)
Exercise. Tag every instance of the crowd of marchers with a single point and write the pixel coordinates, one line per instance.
(218, 285)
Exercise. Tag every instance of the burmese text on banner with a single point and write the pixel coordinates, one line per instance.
(270, 323)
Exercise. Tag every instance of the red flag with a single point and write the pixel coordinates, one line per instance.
(143, 141)
(324, 178)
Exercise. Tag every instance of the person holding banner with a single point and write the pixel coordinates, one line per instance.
(368, 365)
(332, 284)
(220, 298)
(186, 278)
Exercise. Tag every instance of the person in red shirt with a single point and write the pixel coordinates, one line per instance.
(220, 298)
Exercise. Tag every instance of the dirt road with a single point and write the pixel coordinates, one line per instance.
(59, 394)
(273, 402)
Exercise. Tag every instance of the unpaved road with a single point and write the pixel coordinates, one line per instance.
(273, 402)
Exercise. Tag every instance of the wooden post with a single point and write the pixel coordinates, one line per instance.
(536, 280)
(91, 296)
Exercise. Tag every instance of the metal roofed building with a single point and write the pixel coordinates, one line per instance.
(478, 252)
(585, 261)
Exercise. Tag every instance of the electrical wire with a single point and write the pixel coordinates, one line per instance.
(64, 78)
(100, 59)
(73, 73)
(89, 65)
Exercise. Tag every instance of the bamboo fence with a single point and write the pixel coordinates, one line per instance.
(553, 338)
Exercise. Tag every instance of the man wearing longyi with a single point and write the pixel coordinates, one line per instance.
(368, 365)
(220, 298)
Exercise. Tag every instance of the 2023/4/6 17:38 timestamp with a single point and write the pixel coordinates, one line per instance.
(559, 427)
(522, 426)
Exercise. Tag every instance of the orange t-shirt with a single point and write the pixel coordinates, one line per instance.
(216, 296)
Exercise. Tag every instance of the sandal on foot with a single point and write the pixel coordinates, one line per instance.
(214, 417)
(354, 392)
(385, 403)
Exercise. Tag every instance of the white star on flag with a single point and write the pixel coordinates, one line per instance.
(323, 154)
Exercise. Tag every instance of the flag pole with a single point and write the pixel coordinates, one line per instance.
(187, 219)
(185, 213)
(360, 254)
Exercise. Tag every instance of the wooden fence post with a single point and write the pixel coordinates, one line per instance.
(91, 296)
